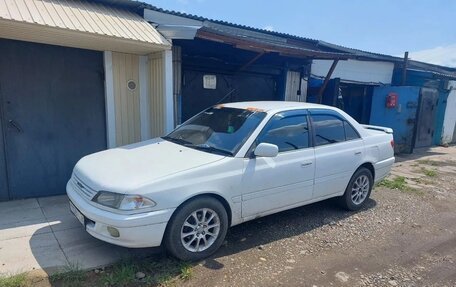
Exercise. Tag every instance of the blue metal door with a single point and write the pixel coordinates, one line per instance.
(52, 101)
(402, 118)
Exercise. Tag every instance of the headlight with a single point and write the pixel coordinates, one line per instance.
(125, 202)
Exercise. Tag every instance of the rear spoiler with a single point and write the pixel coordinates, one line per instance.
(378, 128)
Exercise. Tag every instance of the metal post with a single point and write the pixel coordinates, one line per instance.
(404, 69)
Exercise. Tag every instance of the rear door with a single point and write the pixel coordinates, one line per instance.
(338, 152)
(286, 180)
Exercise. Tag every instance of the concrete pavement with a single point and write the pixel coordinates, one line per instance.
(43, 234)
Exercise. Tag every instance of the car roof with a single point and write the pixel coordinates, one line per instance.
(268, 106)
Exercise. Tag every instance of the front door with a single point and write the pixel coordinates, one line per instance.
(271, 184)
(52, 104)
(426, 117)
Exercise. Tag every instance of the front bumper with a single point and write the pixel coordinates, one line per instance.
(135, 230)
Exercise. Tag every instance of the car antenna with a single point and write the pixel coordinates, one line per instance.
(225, 96)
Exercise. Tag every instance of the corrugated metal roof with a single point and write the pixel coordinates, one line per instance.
(253, 40)
(82, 16)
(138, 5)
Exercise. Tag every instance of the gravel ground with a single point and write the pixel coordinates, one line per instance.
(401, 238)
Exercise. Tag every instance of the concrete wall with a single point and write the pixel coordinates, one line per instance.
(449, 123)
(355, 71)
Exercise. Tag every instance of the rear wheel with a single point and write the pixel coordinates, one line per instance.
(358, 190)
(197, 229)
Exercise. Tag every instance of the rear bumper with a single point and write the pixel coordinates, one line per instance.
(135, 231)
(383, 168)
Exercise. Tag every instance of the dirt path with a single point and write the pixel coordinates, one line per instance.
(402, 238)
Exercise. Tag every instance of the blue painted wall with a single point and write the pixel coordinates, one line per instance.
(401, 119)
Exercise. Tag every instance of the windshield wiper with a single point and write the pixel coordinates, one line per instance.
(177, 141)
(203, 147)
(209, 148)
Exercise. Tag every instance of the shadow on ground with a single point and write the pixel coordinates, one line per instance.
(281, 225)
(78, 247)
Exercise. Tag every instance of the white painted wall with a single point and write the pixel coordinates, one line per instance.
(109, 100)
(449, 122)
(355, 71)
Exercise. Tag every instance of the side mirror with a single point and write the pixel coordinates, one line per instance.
(266, 150)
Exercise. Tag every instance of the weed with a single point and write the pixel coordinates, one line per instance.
(19, 280)
(71, 275)
(429, 172)
(186, 271)
(121, 274)
(397, 183)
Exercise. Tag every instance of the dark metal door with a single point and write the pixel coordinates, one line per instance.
(52, 99)
(426, 117)
(229, 88)
(3, 177)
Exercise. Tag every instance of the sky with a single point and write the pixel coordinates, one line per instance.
(425, 28)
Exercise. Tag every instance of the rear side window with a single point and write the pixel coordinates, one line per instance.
(328, 129)
(350, 133)
(288, 133)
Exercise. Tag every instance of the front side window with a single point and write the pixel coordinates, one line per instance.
(287, 132)
(328, 129)
(219, 130)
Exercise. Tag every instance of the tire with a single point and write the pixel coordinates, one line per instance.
(203, 235)
(358, 190)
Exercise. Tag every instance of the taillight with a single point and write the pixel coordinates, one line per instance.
(392, 143)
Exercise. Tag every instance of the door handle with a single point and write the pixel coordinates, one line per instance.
(306, 164)
(15, 125)
(357, 153)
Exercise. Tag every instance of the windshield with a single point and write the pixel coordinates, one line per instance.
(217, 130)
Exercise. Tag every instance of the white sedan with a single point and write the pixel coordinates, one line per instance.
(227, 165)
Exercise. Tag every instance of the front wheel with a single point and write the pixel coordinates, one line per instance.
(358, 190)
(197, 229)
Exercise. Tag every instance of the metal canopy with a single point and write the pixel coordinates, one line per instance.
(79, 24)
(264, 44)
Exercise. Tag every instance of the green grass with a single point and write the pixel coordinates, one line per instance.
(399, 183)
(19, 280)
(186, 271)
(71, 275)
(163, 273)
(429, 172)
(121, 274)
(396, 183)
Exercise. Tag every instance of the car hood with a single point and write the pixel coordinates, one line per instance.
(126, 168)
